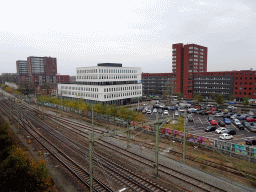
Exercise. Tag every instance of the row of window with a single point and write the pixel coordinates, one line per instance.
(91, 89)
(199, 87)
(107, 71)
(215, 92)
(121, 88)
(91, 95)
(196, 48)
(113, 95)
(212, 78)
(217, 83)
(201, 60)
(195, 63)
(240, 93)
(195, 71)
(107, 77)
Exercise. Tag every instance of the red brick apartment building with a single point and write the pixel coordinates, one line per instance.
(190, 76)
(38, 71)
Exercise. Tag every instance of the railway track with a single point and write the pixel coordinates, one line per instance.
(163, 169)
(82, 130)
(129, 179)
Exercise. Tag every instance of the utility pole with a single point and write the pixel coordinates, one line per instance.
(9, 102)
(92, 122)
(128, 137)
(157, 147)
(91, 160)
(61, 105)
(184, 139)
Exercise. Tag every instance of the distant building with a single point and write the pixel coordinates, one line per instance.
(157, 83)
(109, 83)
(37, 71)
(190, 76)
(8, 77)
(186, 61)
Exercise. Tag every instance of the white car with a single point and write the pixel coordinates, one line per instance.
(149, 111)
(226, 136)
(166, 112)
(155, 110)
(220, 130)
(236, 122)
(218, 114)
(176, 113)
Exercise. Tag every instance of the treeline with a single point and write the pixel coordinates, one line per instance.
(112, 110)
(10, 90)
(18, 172)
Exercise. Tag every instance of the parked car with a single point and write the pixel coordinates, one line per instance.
(160, 111)
(230, 131)
(213, 122)
(226, 136)
(236, 122)
(221, 123)
(243, 117)
(176, 113)
(155, 110)
(166, 112)
(250, 118)
(210, 128)
(220, 130)
(226, 121)
(219, 114)
(190, 118)
(246, 124)
(210, 118)
(250, 141)
(252, 127)
(149, 111)
(240, 127)
(203, 112)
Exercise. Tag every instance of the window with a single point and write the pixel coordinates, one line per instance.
(195, 55)
(173, 56)
(190, 71)
(191, 47)
(202, 53)
(201, 60)
(195, 59)
(190, 59)
(195, 63)
(196, 52)
(174, 53)
(190, 52)
(174, 49)
(201, 57)
(190, 55)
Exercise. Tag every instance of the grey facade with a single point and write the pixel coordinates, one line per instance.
(207, 85)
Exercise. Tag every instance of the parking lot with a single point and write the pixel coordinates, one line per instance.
(201, 122)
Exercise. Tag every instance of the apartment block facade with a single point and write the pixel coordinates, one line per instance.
(37, 71)
(186, 61)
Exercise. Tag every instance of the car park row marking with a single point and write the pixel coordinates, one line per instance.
(200, 120)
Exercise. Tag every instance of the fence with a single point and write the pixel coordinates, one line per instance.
(232, 149)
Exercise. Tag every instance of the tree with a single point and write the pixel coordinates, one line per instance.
(168, 89)
(212, 95)
(220, 99)
(179, 96)
(232, 97)
(198, 97)
(245, 100)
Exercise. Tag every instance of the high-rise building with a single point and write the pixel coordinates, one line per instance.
(38, 71)
(186, 61)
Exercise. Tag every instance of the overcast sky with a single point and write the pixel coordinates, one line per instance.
(136, 33)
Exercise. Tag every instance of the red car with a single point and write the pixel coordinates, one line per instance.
(250, 119)
(213, 122)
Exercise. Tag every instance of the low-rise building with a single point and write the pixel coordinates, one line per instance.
(109, 83)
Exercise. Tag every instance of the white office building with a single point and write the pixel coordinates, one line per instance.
(108, 83)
